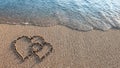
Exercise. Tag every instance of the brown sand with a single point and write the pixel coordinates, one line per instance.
(72, 49)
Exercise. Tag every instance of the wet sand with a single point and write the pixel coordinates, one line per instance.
(72, 49)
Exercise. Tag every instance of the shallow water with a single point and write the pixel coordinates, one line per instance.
(82, 15)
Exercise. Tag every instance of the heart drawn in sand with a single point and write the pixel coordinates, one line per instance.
(36, 45)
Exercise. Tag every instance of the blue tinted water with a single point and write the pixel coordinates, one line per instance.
(77, 14)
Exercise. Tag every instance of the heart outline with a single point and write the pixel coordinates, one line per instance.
(38, 59)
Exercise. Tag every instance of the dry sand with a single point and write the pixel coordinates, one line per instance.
(72, 49)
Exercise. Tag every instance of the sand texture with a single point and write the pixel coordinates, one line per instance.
(71, 48)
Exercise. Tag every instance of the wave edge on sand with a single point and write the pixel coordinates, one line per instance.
(82, 15)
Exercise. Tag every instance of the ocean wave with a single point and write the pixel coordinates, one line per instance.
(82, 15)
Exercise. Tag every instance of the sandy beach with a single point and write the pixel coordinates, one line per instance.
(72, 49)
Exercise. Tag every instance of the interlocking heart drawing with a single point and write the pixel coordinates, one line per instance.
(37, 44)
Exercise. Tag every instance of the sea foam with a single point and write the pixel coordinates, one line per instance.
(82, 15)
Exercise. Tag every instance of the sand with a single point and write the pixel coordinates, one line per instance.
(72, 49)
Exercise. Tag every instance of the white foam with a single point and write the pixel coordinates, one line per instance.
(90, 14)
